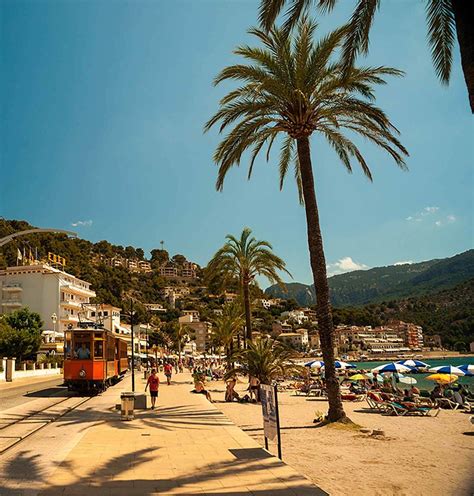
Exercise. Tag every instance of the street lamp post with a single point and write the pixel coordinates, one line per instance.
(133, 345)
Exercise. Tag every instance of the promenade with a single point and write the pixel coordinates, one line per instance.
(186, 446)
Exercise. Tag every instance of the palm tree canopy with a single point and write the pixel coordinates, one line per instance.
(246, 258)
(227, 325)
(439, 16)
(266, 359)
(293, 86)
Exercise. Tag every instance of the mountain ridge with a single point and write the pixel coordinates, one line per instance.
(390, 282)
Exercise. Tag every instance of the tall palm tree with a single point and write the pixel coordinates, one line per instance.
(226, 328)
(267, 360)
(292, 87)
(244, 259)
(445, 19)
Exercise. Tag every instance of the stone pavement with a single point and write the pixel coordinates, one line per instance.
(184, 447)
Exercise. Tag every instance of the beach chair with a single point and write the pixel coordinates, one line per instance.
(397, 409)
(447, 403)
(375, 402)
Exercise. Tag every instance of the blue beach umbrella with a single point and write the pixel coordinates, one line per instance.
(315, 364)
(468, 369)
(413, 363)
(447, 369)
(344, 365)
(392, 367)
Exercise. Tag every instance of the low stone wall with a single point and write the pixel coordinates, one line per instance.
(38, 370)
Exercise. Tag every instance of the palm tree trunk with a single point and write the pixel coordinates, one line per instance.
(318, 267)
(464, 17)
(248, 321)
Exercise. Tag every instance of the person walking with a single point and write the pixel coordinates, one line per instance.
(168, 369)
(154, 383)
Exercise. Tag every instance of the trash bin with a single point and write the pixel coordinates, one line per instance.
(127, 405)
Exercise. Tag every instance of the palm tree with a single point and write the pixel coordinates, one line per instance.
(226, 328)
(292, 87)
(267, 360)
(244, 259)
(445, 19)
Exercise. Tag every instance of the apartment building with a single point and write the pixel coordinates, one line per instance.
(412, 333)
(108, 315)
(201, 330)
(193, 313)
(298, 339)
(297, 316)
(60, 299)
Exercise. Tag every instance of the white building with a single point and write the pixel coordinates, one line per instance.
(47, 291)
(297, 316)
(108, 315)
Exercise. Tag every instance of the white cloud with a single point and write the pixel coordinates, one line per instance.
(345, 264)
(404, 262)
(419, 216)
(82, 223)
(449, 219)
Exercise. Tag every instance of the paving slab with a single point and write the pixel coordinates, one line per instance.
(184, 447)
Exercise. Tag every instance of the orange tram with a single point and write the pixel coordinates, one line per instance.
(95, 358)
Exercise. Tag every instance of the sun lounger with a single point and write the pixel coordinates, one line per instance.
(375, 402)
(447, 403)
(402, 409)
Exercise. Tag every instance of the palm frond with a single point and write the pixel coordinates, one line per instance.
(441, 33)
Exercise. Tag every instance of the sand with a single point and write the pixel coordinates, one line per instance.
(417, 455)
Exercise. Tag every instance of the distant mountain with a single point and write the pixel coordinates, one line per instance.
(386, 283)
(448, 313)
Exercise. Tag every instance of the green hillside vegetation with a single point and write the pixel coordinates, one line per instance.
(449, 313)
(83, 259)
(386, 283)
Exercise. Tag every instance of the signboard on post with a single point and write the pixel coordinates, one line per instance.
(271, 420)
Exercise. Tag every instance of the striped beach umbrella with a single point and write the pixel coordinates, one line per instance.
(315, 364)
(447, 369)
(468, 369)
(413, 363)
(392, 367)
(343, 365)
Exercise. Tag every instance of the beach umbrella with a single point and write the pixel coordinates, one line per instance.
(315, 364)
(407, 380)
(468, 369)
(358, 377)
(392, 367)
(443, 378)
(413, 363)
(343, 365)
(447, 369)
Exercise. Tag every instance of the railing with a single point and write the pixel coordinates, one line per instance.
(14, 286)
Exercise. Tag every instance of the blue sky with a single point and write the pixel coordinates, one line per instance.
(103, 105)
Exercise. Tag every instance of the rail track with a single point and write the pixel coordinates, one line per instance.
(13, 431)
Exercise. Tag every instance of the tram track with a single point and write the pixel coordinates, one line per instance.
(14, 432)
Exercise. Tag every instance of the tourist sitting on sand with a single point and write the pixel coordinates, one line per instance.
(230, 393)
(200, 389)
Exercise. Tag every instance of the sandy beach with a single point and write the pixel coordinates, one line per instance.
(417, 455)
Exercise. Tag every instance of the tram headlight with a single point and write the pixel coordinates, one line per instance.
(82, 373)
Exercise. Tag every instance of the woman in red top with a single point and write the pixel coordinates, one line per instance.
(154, 383)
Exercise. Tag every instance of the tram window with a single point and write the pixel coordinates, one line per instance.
(98, 349)
(82, 345)
(68, 345)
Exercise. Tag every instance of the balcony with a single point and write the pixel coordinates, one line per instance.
(77, 290)
(69, 317)
(12, 287)
(11, 303)
(71, 304)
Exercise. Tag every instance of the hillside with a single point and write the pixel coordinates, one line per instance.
(86, 260)
(449, 313)
(386, 283)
